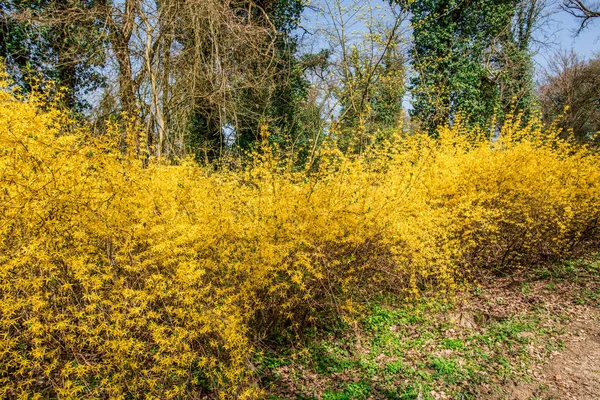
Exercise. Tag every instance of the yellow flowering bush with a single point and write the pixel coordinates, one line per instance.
(125, 278)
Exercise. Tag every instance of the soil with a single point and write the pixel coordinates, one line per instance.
(563, 357)
(574, 373)
(569, 373)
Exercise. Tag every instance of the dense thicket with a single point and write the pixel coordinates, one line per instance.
(59, 41)
(125, 277)
(201, 77)
(140, 259)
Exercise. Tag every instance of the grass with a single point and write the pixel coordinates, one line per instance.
(405, 353)
(428, 349)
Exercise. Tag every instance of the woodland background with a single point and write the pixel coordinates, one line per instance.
(201, 77)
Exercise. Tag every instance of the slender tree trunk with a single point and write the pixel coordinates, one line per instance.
(120, 35)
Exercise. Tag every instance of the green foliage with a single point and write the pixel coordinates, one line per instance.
(58, 41)
(392, 355)
(280, 104)
(468, 61)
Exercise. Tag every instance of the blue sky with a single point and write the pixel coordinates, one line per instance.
(560, 33)
(586, 43)
(557, 32)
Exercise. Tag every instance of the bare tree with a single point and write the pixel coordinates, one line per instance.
(364, 84)
(570, 95)
(187, 69)
(585, 12)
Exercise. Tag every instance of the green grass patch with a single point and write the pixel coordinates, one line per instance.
(409, 351)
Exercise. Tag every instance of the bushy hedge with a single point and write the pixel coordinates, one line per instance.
(125, 278)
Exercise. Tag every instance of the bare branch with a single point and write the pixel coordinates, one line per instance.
(580, 10)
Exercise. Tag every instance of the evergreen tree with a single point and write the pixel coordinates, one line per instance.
(279, 105)
(57, 40)
(471, 57)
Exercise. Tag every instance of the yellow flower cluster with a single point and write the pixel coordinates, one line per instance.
(128, 279)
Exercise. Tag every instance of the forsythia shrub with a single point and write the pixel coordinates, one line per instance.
(125, 280)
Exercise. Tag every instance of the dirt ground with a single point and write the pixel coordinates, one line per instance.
(526, 335)
(569, 373)
(574, 373)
